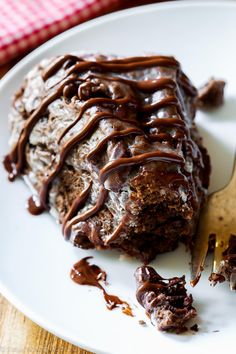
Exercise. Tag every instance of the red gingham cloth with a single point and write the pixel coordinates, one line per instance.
(24, 24)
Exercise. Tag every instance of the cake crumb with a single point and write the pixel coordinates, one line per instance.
(194, 328)
(142, 323)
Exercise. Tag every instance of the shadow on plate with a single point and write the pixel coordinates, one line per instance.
(224, 114)
(222, 157)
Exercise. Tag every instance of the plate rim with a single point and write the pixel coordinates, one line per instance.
(7, 294)
(105, 19)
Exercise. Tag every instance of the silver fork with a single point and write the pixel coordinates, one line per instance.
(217, 218)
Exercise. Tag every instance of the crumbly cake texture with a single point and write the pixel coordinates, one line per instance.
(140, 107)
(165, 300)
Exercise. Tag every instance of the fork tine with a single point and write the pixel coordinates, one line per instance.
(224, 231)
(233, 177)
(222, 243)
(200, 249)
(232, 281)
(209, 224)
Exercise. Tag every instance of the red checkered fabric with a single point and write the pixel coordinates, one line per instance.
(24, 24)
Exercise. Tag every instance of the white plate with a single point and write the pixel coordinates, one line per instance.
(35, 260)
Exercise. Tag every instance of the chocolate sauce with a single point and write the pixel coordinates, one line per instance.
(78, 203)
(137, 160)
(87, 214)
(84, 273)
(113, 135)
(34, 207)
(56, 65)
(117, 232)
(124, 65)
(7, 163)
(145, 86)
(91, 103)
(131, 101)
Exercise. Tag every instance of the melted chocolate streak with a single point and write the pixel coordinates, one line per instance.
(84, 273)
(15, 162)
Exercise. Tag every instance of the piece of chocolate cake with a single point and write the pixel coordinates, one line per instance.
(211, 95)
(165, 300)
(111, 149)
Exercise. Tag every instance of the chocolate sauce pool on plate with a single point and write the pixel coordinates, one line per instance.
(84, 273)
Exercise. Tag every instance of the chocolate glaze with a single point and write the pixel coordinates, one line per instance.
(76, 82)
(84, 273)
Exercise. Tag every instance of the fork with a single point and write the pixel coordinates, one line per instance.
(217, 218)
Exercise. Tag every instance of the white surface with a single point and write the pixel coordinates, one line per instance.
(35, 260)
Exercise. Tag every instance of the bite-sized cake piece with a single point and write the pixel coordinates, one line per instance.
(165, 300)
(228, 266)
(110, 147)
(211, 95)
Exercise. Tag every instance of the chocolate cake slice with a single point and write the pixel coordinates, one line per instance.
(165, 300)
(110, 147)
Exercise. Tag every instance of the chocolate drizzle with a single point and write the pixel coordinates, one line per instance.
(87, 214)
(78, 203)
(137, 160)
(77, 81)
(9, 167)
(84, 273)
(34, 206)
(102, 143)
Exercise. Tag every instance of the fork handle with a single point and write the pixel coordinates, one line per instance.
(232, 183)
